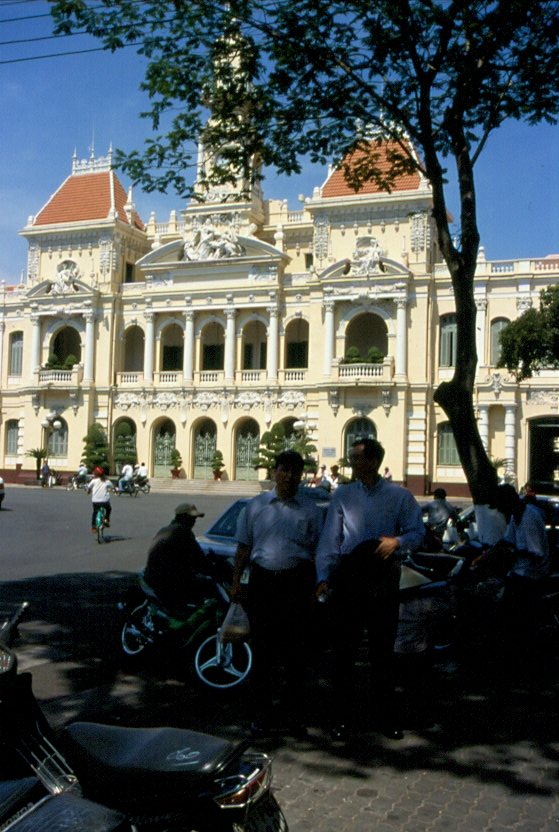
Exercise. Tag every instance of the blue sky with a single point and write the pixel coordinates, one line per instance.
(51, 107)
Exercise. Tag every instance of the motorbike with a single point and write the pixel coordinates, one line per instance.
(112, 778)
(75, 483)
(135, 486)
(150, 627)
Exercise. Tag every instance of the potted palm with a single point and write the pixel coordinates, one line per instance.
(217, 464)
(176, 463)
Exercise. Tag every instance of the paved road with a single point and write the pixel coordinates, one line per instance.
(491, 762)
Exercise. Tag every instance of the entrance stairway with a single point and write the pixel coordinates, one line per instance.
(223, 487)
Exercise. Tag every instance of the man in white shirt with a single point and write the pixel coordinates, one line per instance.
(125, 477)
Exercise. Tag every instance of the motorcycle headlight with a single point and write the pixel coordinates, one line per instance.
(7, 660)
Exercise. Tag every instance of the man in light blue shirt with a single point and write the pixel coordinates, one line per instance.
(370, 523)
(277, 536)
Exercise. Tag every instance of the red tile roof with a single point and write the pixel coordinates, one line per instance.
(84, 197)
(336, 185)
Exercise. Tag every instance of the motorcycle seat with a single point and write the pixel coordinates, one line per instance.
(141, 764)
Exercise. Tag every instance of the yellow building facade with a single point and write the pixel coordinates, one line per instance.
(203, 331)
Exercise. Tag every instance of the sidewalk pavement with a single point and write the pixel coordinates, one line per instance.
(490, 763)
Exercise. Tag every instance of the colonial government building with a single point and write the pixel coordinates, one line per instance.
(202, 331)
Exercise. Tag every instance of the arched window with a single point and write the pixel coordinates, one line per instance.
(358, 429)
(497, 326)
(447, 452)
(57, 442)
(297, 344)
(12, 432)
(16, 353)
(447, 350)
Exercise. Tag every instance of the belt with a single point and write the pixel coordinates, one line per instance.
(280, 573)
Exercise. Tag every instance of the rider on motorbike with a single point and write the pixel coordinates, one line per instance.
(175, 560)
(126, 475)
(141, 473)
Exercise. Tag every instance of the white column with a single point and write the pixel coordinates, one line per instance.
(329, 306)
(148, 346)
(188, 347)
(230, 345)
(2, 330)
(401, 337)
(483, 425)
(35, 344)
(272, 349)
(481, 307)
(510, 438)
(89, 346)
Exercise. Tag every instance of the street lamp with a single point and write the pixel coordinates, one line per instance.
(50, 423)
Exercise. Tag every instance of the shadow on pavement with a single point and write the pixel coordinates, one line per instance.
(490, 718)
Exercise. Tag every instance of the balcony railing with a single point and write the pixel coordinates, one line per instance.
(60, 378)
(368, 373)
(250, 376)
(168, 377)
(129, 377)
(293, 376)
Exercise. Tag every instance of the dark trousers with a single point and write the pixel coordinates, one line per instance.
(279, 609)
(365, 598)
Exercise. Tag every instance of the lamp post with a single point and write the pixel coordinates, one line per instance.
(50, 424)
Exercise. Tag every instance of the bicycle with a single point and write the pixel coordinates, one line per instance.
(100, 523)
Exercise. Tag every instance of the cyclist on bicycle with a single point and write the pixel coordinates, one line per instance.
(100, 489)
(81, 475)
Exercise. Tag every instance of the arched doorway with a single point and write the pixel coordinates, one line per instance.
(164, 439)
(205, 444)
(247, 440)
(124, 444)
(358, 429)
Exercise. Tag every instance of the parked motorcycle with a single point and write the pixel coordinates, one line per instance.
(149, 626)
(157, 779)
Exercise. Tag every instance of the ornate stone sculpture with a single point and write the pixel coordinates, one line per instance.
(64, 282)
(209, 244)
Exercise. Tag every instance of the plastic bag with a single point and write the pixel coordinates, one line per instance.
(235, 626)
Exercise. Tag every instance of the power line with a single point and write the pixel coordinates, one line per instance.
(44, 37)
(63, 54)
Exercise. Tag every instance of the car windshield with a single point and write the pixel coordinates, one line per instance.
(226, 525)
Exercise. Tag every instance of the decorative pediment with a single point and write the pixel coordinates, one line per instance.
(366, 261)
(46, 289)
(207, 245)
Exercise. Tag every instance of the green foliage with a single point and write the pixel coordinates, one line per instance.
(272, 442)
(176, 459)
(38, 455)
(375, 356)
(53, 362)
(276, 440)
(531, 342)
(96, 447)
(69, 361)
(217, 463)
(353, 356)
(125, 445)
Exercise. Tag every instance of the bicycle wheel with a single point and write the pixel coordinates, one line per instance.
(135, 636)
(221, 665)
(100, 525)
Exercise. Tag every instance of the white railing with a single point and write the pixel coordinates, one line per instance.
(251, 376)
(168, 377)
(61, 377)
(129, 377)
(292, 376)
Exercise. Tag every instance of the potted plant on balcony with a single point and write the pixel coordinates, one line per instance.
(217, 464)
(176, 463)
